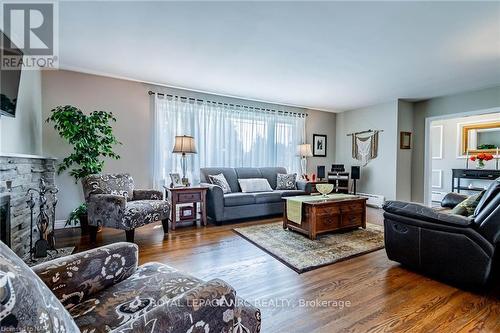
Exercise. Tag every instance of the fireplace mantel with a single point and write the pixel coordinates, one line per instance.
(16, 155)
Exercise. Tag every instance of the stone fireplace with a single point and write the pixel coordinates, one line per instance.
(18, 173)
(5, 219)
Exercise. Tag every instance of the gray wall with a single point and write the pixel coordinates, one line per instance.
(130, 102)
(23, 134)
(379, 175)
(446, 105)
(321, 123)
(404, 163)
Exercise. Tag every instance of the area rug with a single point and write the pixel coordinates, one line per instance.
(51, 254)
(302, 254)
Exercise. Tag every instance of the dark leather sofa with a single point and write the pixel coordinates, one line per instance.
(453, 248)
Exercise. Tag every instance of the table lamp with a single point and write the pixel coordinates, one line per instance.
(184, 144)
(305, 151)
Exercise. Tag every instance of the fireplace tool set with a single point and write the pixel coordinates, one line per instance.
(43, 221)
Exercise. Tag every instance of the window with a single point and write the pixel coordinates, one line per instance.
(226, 136)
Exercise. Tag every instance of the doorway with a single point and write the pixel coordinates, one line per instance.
(450, 142)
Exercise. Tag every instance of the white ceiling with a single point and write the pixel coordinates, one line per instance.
(325, 55)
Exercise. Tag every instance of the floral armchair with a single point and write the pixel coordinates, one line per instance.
(103, 290)
(112, 201)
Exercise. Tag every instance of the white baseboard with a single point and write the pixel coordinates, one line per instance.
(60, 224)
(374, 200)
(437, 196)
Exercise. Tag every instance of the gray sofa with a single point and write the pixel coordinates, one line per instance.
(238, 205)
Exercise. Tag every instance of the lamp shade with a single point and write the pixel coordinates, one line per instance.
(184, 144)
(305, 150)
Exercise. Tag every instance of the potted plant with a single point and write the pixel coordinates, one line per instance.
(92, 139)
(79, 216)
(480, 158)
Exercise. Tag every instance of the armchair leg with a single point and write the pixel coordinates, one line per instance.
(165, 225)
(93, 233)
(129, 234)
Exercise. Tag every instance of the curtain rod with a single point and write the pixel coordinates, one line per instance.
(227, 104)
(368, 131)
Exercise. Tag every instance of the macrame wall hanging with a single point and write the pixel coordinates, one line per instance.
(364, 145)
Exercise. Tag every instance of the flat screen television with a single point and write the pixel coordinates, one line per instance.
(10, 75)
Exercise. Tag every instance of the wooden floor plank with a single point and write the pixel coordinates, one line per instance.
(383, 296)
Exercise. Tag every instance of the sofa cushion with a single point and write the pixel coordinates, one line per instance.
(267, 197)
(421, 212)
(467, 206)
(221, 181)
(286, 181)
(27, 304)
(120, 184)
(290, 193)
(151, 285)
(242, 173)
(270, 173)
(489, 213)
(79, 276)
(142, 212)
(452, 199)
(238, 199)
(492, 191)
(229, 173)
(253, 185)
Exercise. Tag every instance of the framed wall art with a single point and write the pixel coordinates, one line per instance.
(405, 140)
(319, 145)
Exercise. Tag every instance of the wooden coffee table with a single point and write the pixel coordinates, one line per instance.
(328, 215)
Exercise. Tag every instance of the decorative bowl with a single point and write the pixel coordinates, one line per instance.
(324, 188)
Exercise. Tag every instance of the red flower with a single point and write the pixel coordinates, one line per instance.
(473, 158)
(488, 157)
(481, 156)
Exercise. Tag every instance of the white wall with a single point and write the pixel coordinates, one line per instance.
(23, 134)
(379, 176)
(130, 102)
(451, 159)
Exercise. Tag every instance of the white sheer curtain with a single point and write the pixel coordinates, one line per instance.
(226, 136)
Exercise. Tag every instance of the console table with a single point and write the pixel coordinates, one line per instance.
(480, 174)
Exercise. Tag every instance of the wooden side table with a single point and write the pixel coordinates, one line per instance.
(184, 195)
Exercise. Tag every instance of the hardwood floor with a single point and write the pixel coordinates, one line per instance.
(377, 295)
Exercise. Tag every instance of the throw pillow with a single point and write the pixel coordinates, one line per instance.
(221, 181)
(467, 207)
(286, 181)
(250, 185)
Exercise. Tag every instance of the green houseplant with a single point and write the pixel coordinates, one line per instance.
(92, 139)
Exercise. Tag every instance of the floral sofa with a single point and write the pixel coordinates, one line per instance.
(112, 201)
(103, 290)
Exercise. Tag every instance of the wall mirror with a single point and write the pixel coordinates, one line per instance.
(480, 137)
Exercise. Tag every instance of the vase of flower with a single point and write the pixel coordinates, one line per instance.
(480, 159)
